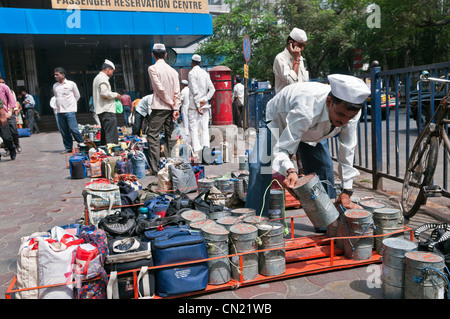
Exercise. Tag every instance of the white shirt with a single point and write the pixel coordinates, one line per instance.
(238, 91)
(300, 113)
(184, 96)
(66, 95)
(104, 98)
(284, 73)
(144, 107)
(200, 87)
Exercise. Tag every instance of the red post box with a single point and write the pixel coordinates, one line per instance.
(221, 107)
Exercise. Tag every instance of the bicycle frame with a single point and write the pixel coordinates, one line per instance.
(418, 183)
(440, 119)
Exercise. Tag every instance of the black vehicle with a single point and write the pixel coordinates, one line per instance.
(426, 97)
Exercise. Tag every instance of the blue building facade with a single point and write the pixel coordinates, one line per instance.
(34, 39)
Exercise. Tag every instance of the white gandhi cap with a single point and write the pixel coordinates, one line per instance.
(159, 46)
(348, 88)
(196, 58)
(298, 35)
(110, 64)
(184, 82)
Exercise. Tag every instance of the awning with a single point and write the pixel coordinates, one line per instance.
(173, 29)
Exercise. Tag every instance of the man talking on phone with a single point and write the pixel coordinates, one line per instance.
(289, 65)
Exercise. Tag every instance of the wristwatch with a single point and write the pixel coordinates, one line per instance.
(289, 171)
(349, 192)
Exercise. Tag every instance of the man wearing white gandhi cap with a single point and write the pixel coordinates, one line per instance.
(297, 119)
(105, 103)
(289, 65)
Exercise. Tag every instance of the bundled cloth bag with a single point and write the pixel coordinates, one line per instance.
(204, 204)
(183, 177)
(164, 180)
(100, 195)
(94, 288)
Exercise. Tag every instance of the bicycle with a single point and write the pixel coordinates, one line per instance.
(417, 184)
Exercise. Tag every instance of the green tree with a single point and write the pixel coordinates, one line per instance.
(411, 33)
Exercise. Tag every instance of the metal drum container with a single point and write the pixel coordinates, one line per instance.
(228, 221)
(205, 184)
(341, 231)
(243, 212)
(271, 262)
(216, 238)
(243, 239)
(315, 201)
(240, 186)
(276, 204)
(219, 214)
(359, 223)
(225, 185)
(197, 225)
(192, 215)
(253, 220)
(422, 282)
(393, 267)
(387, 220)
(371, 205)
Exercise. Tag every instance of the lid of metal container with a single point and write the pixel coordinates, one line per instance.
(227, 220)
(200, 223)
(268, 225)
(243, 211)
(255, 219)
(215, 229)
(243, 228)
(424, 256)
(399, 243)
(372, 203)
(357, 213)
(193, 215)
(386, 210)
(305, 179)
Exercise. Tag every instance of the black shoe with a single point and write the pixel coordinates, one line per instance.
(13, 154)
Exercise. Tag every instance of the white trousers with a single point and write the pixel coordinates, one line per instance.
(186, 134)
(199, 121)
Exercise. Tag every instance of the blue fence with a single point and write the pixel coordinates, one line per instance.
(399, 106)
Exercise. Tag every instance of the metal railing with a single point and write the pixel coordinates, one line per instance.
(391, 120)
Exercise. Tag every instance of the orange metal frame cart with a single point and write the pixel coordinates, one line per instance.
(304, 255)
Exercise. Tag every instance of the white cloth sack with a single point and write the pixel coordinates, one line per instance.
(27, 266)
(56, 262)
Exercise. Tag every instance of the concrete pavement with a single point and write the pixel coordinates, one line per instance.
(37, 193)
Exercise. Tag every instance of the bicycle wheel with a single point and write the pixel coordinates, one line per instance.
(419, 173)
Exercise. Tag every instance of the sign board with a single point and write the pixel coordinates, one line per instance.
(245, 71)
(180, 6)
(357, 58)
(247, 48)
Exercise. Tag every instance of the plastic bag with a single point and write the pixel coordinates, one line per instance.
(119, 107)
